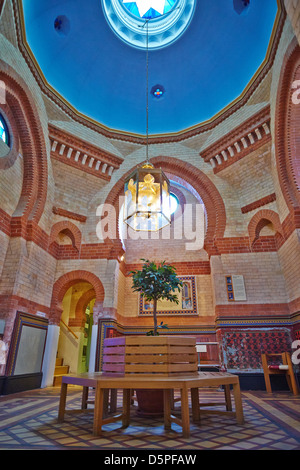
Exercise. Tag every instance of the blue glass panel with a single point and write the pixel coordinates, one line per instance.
(132, 7)
(3, 131)
(151, 14)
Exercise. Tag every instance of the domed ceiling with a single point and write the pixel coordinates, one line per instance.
(202, 55)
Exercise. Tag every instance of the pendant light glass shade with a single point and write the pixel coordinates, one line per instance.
(147, 199)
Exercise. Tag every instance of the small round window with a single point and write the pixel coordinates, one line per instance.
(4, 135)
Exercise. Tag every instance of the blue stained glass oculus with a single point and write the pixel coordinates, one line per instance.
(157, 91)
(149, 9)
(170, 19)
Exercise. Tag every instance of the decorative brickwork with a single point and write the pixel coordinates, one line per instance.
(259, 220)
(259, 203)
(286, 135)
(69, 214)
(21, 103)
(246, 138)
(66, 227)
(192, 268)
(82, 155)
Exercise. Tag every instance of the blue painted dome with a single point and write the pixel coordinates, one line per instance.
(102, 75)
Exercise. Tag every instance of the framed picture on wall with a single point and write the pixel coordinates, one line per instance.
(28, 344)
(187, 301)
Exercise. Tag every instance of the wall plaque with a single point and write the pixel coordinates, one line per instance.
(235, 288)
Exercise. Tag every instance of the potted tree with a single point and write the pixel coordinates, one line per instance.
(156, 282)
(152, 353)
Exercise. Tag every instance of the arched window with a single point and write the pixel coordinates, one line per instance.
(4, 134)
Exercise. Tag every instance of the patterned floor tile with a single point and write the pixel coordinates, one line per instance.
(28, 420)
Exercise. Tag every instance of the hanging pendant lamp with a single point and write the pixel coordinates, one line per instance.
(147, 204)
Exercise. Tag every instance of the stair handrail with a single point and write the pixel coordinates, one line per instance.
(68, 328)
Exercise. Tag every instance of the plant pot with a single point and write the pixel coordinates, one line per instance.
(150, 403)
(147, 355)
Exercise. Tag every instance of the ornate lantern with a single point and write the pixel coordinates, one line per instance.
(147, 199)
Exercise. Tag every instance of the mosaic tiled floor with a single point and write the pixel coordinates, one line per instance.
(28, 421)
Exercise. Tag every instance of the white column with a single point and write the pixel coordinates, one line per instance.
(50, 356)
(93, 348)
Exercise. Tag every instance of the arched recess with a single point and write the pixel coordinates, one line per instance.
(260, 220)
(212, 200)
(68, 228)
(287, 128)
(64, 283)
(21, 105)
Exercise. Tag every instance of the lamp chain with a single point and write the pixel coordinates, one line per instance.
(147, 84)
(147, 91)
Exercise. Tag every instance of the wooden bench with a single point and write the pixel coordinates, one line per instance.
(103, 383)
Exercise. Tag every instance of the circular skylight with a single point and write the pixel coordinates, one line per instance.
(166, 20)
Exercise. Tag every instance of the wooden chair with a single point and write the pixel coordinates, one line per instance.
(285, 367)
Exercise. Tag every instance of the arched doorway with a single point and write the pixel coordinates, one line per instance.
(74, 343)
(77, 300)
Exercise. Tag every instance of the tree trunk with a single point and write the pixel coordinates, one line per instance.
(154, 316)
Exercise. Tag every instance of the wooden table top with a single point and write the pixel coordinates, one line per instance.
(199, 379)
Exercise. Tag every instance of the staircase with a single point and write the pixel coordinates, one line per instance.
(59, 371)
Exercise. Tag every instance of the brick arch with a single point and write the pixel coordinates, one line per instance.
(81, 306)
(20, 103)
(260, 220)
(287, 128)
(212, 200)
(69, 229)
(66, 281)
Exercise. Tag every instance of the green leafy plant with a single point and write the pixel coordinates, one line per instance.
(156, 282)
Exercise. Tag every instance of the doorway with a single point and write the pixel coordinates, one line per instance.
(73, 351)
